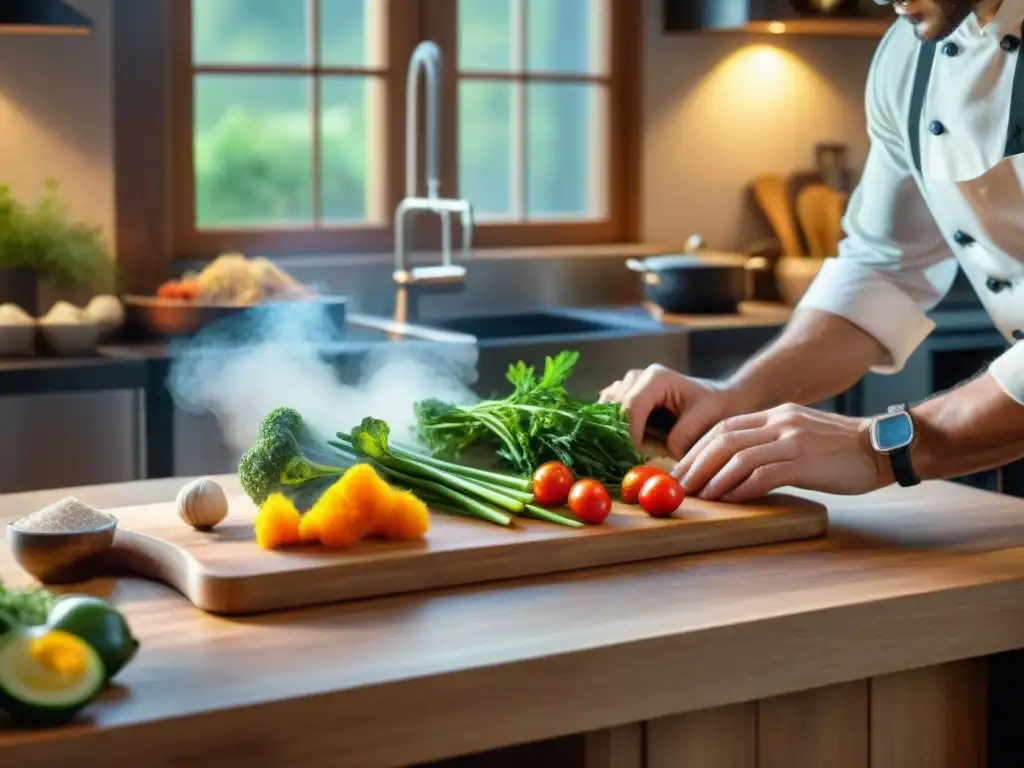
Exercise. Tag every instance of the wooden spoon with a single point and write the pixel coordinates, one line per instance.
(770, 194)
(819, 208)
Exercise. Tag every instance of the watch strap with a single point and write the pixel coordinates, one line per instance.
(899, 459)
(902, 468)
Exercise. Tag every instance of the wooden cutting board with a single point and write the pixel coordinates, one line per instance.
(225, 572)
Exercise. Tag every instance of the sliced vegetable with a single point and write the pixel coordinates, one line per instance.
(551, 484)
(47, 676)
(634, 481)
(661, 495)
(589, 500)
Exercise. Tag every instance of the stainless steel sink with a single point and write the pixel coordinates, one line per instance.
(609, 341)
(545, 323)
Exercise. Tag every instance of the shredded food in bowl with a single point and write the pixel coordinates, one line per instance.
(232, 279)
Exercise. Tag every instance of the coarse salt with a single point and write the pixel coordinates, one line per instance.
(69, 515)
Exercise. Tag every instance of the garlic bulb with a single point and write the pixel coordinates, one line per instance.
(202, 504)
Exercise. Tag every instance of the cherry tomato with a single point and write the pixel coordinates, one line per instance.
(661, 495)
(169, 290)
(551, 484)
(634, 481)
(589, 500)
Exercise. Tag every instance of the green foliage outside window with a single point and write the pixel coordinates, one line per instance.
(253, 145)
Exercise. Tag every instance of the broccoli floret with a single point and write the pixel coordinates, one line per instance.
(278, 457)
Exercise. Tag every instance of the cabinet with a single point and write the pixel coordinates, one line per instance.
(843, 17)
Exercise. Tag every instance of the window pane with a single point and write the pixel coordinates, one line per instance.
(253, 149)
(349, 145)
(565, 150)
(250, 32)
(566, 35)
(486, 146)
(351, 33)
(485, 35)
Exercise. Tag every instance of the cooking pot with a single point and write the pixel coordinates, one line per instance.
(697, 281)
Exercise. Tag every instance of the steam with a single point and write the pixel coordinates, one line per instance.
(293, 354)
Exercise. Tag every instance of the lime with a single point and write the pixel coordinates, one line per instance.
(98, 623)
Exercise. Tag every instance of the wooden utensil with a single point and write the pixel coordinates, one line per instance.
(794, 183)
(770, 193)
(819, 209)
(224, 571)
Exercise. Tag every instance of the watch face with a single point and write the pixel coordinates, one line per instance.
(892, 432)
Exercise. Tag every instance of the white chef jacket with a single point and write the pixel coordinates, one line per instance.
(905, 232)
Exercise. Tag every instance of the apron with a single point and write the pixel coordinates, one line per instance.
(996, 196)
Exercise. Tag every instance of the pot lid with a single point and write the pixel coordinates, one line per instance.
(694, 260)
(42, 17)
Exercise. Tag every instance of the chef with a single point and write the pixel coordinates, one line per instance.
(943, 185)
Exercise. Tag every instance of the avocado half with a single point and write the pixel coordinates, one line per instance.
(47, 676)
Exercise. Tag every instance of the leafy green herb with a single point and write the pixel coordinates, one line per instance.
(539, 421)
(25, 606)
(68, 252)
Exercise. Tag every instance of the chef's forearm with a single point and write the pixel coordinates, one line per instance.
(969, 429)
(818, 355)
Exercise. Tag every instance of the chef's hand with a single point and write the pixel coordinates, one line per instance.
(700, 403)
(745, 457)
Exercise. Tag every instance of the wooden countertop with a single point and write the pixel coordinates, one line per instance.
(906, 578)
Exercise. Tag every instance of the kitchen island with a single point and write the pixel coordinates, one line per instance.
(866, 648)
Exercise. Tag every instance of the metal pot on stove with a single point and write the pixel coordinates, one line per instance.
(698, 281)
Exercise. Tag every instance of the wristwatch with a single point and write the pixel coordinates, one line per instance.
(893, 434)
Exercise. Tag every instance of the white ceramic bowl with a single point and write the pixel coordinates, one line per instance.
(17, 340)
(794, 275)
(70, 340)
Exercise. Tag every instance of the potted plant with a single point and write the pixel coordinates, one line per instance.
(43, 245)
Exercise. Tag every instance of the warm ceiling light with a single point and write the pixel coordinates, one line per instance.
(776, 27)
(42, 17)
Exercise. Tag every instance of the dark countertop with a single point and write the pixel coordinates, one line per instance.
(124, 363)
(106, 370)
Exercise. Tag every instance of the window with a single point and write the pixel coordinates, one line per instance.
(533, 106)
(289, 120)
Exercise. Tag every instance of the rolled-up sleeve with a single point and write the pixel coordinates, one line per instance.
(1008, 371)
(893, 265)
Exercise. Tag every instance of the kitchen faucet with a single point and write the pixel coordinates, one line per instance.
(409, 281)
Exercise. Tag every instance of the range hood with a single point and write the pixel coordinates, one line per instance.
(808, 17)
(42, 17)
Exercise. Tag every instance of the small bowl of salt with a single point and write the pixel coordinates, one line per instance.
(64, 543)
